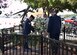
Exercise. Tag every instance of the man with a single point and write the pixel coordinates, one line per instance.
(54, 26)
(27, 28)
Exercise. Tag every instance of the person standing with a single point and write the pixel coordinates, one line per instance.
(27, 28)
(54, 27)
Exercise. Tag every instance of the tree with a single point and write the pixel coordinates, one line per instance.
(60, 5)
(72, 2)
(45, 4)
(70, 5)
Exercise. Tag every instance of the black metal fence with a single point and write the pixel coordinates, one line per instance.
(12, 44)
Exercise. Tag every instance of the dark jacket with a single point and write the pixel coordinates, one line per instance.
(54, 25)
(27, 27)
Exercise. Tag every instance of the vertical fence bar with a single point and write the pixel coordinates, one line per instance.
(20, 40)
(27, 44)
(12, 40)
(47, 47)
(31, 44)
(67, 49)
(41, 44)
(59, 49)
(64, 33)
(13, 46)
(62, 49)
(71, 50)
(76, 50)
(35, 45)
(2, 42)
(20, 44)
(23, 44)
(5, 38)
(9, 31)
(10, 47)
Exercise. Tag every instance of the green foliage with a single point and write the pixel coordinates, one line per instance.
(58, 4)
(39, 24)
(15, 39)
(72, 2)
(34, 40)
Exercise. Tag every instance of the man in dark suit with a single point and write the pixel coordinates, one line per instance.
(27, 28)
(54, 26)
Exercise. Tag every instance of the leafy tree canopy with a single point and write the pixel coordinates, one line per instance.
(49, 4)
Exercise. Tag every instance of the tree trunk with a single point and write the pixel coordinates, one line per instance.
(44, 11)
(48, 11)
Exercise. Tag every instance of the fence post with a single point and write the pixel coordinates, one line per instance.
(76, 50)
(41, 44)
(2, 42)
(64, 33)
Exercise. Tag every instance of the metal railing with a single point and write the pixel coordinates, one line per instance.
(12, 44)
